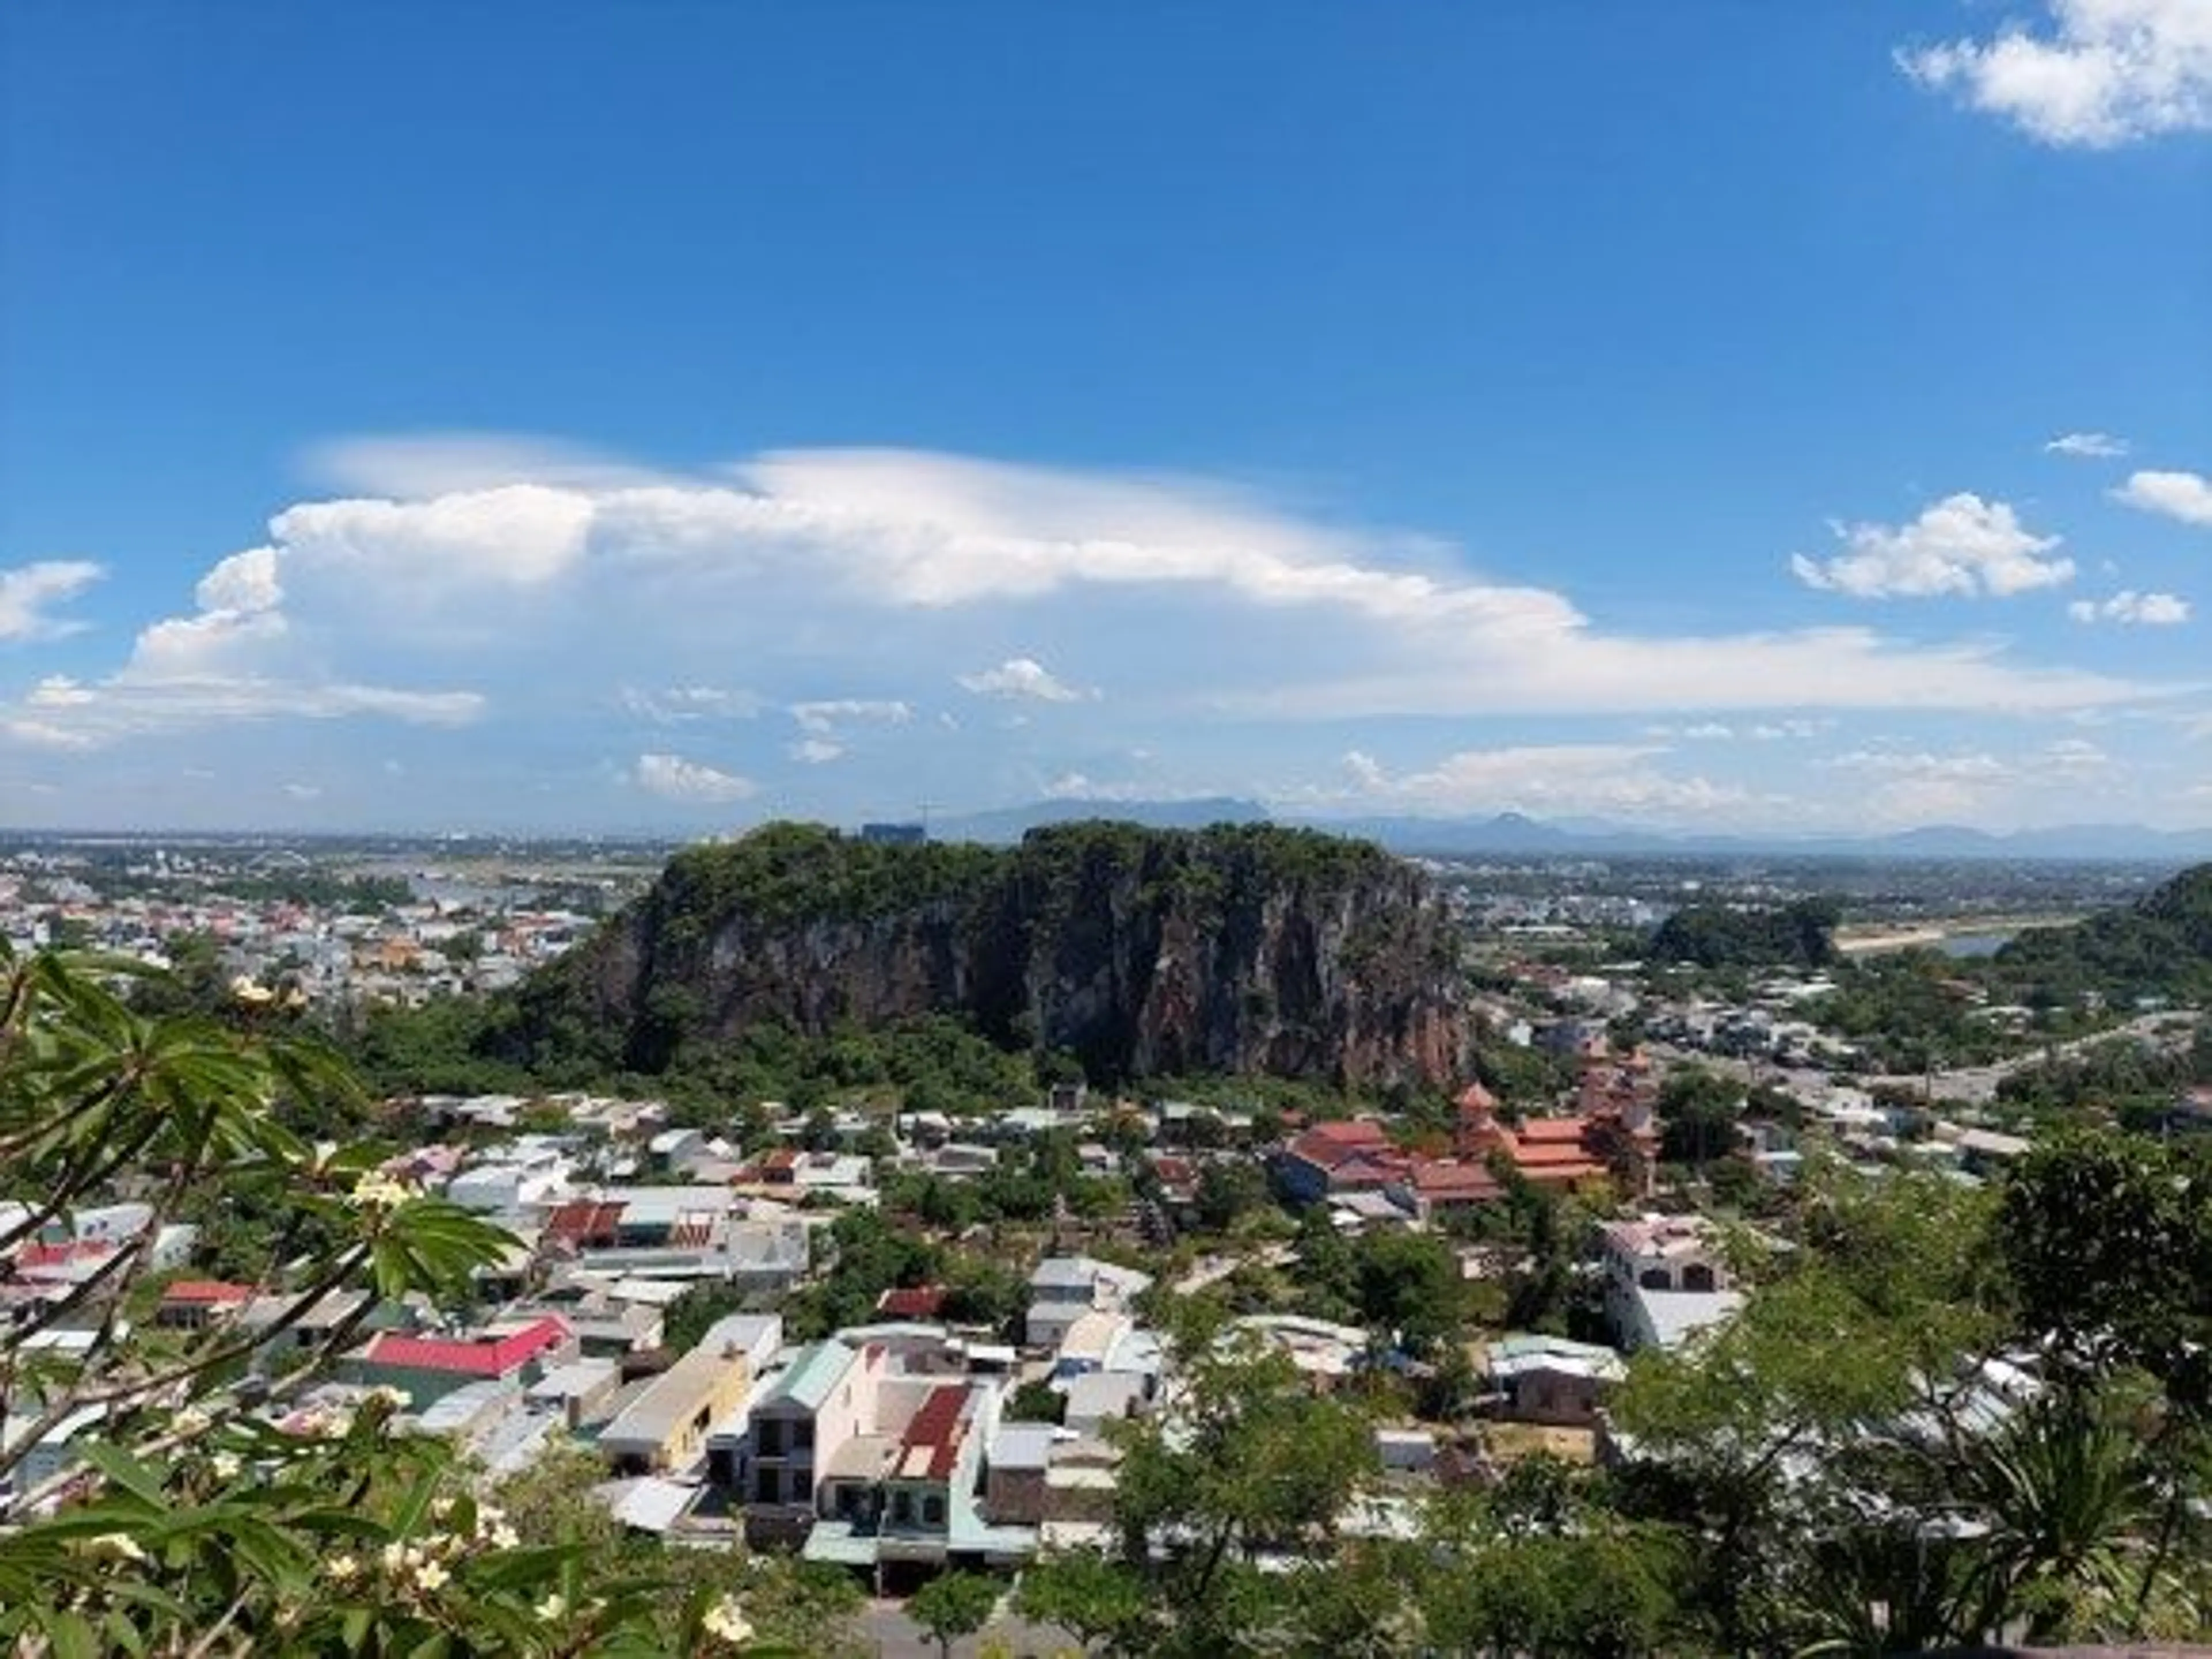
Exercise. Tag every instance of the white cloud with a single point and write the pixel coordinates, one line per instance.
(2129, 607)
(1950, 768)
(609, 587)
(1020, 677)
(1536, 778)
(1961, 544)
(2184, 496)
(827, 717)
(2103, 73)
(303, 791)
(676, 705)
(245, 582)
(1778, 731)
(28, 592)
(816, 751)
(673, 778)
(2088, 445)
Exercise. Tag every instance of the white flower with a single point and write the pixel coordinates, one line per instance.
(226, 1465)
(504, 1537)
(191, 1422)
(553, 1608)
(379, 1191)
(116, 1543)
(429, 1575)
(725, 1620)
(342, 1568)
(384, 1394)
(394, 1556)
(440, 1508)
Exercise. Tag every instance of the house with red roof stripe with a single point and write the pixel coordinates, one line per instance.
(427, 1368)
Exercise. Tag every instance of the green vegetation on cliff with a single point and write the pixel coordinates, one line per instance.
(1134, 952)
(1800, 935)
(2160, 946)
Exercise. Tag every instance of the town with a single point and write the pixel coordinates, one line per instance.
(904, 1342)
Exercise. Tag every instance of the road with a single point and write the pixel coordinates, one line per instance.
(1969, 1084)
(1213, 1269)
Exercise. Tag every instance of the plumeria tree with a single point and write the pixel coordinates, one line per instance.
(210, 1498)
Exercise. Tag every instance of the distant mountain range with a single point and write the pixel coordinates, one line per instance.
(1509, 834)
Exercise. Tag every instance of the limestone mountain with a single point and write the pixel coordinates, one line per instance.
(1244, 948)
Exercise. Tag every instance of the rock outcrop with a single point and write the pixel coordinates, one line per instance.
(1143, 952)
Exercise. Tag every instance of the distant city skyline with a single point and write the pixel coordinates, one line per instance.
(1788, 420)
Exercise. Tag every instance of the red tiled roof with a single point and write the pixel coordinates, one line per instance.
(1441, 1178)
(477, 1356)
(583, 1220)
(1476, 1099)
(912, 1302)
(1553, 1131)
(208, 1292)
(60, 1255)
(1328, 1145)
(931, 1445)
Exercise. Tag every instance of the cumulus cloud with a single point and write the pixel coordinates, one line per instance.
(1960, 545)
(797, 564)
(29, 592)
(2184, 496)
(2100, 73)
(2088, 445)
(816, 751)
(690, 783)
(2137, 610)
(1020, 677)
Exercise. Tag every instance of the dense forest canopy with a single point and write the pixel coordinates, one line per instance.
(1799, 935)
(2160, 946)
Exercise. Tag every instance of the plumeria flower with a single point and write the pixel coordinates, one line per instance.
(379, 1191)
(725, 1621)
(191, 1422)
(225, 1465)
(116, 1543)
(343, 1568)
(429, 1575)
(553, 1608)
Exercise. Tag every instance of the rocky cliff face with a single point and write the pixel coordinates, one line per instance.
(1144, 952)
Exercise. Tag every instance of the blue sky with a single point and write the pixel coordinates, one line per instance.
(668, 417)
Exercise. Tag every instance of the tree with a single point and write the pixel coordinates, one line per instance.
(1243, 1461)
(1102, 1604)
(1698, 1113)
(1035, 1402)
(1228, 1189)
(954, 1605)
(196, 1519)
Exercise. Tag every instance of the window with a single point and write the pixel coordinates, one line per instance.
(1698, 1276)
(802, 1435)
(1654, 1279)
(769, 1487)
(932, 1510)
(902, 1508)
(771, 1439)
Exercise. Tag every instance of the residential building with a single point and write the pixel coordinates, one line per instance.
(1664, 1280)
(424, 1368)
(1063, 1288)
